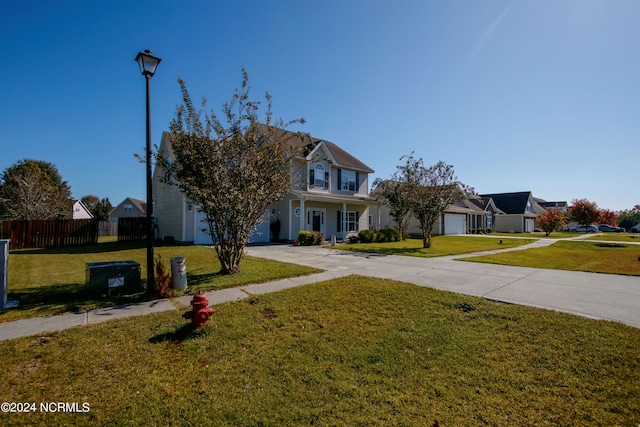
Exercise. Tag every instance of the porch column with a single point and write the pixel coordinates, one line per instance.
(344, 220)
(291, 215)
(303, 215)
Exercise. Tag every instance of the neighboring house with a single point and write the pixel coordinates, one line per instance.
(519, 211)
(80, 210)
(128, 208)
(332, 198)
(561, 206)
(461, 217)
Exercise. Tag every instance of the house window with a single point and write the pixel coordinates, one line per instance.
(351, 221)
(128, 208)
(318, 177)
(348, 180)
(490, 220)
(318, 180)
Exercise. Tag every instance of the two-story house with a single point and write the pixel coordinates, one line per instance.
(329, 193)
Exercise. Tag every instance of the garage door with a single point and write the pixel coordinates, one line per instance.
(259, 235)
(454, 224)
(529, 225)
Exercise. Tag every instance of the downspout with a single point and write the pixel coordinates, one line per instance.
(184, 218)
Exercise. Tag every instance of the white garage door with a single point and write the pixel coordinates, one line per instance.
(529, 225)
(259, 235)
(454, 224)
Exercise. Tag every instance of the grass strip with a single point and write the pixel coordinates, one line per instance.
(352, 351)
(440, 246)
(596, 257)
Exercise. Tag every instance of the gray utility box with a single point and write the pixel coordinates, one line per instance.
(113, 277)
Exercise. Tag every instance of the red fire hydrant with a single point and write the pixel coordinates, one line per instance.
(200, 313)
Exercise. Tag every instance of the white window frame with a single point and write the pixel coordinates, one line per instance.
(318, 176)
(348, 180)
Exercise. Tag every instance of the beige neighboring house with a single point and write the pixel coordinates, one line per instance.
(80, 210)
(519, 211)
(128, 208)
(332, 197)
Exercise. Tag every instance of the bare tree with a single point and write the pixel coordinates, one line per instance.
(233, 167)
(34, 189)
(428, 192)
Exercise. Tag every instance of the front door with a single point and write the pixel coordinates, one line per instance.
(316, 219)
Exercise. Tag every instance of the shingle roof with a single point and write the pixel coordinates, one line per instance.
(309, 143)
(510, 203)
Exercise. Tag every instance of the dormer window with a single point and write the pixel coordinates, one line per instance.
(318, 178)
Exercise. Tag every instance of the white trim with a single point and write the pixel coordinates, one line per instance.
(309, 219)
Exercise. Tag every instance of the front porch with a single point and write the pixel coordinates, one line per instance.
(333, 215)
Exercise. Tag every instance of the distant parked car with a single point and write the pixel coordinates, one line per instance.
(583, 229)
(610, 228)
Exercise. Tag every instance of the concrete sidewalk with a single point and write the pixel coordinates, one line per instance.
(593, 295)
(38, 325)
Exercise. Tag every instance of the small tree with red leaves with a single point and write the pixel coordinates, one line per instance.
(551, 220)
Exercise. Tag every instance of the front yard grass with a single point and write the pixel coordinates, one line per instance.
(573, 255)
(52, 281)
(352, 351)
(440, 246)
(539, 235)
(616, 237)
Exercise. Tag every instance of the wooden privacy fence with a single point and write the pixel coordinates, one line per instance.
(50, 233)
(108, 228)
(132, 228)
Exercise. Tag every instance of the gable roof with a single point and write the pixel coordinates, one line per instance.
(510, 203)
(141, 205)
(310, 144)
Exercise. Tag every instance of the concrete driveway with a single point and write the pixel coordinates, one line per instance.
(593, 295)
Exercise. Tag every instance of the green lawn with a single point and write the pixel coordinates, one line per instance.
(539, 235)
(354, 351)
(440, 246)
(574, 255)
(616, 237)
(52, 281)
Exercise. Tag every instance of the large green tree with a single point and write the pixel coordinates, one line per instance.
(232, 166)
(34, 189)
(628, 218)
(99, 208)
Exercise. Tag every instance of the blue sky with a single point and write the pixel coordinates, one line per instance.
(518, 95)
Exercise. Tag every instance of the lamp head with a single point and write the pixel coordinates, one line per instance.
(147, 63)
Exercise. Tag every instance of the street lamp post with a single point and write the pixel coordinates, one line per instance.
(148, 64)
